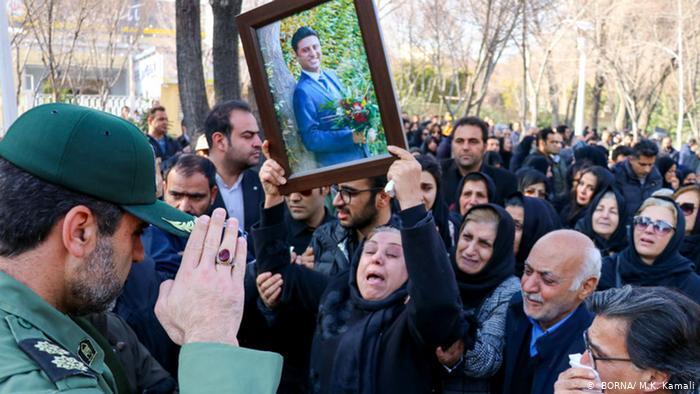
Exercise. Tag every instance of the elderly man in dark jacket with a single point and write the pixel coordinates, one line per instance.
(545, 323)
(637, 178)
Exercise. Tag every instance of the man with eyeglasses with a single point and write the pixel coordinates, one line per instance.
(545, 322)
(361, 206)
(642, 340)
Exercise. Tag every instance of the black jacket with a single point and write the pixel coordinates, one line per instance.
(334, 246)
(506, 183)
(632, 190)
(142, 371)
(553, 350)
(135, 305)
(167, 156)
(364, 346)
(253, 197)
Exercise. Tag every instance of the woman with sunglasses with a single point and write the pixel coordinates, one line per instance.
(688, 198)
(605, 222)
(653, 258)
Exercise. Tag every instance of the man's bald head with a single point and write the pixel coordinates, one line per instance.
(561, 271)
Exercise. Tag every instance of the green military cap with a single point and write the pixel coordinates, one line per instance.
(93, 153)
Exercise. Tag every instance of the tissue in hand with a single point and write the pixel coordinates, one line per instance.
(575, 362)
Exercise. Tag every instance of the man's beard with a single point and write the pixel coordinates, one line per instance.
(98, 285)
(365, 217)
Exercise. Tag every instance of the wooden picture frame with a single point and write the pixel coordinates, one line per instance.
(272, 87)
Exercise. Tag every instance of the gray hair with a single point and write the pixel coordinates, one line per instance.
(590, 268)
(663, 330)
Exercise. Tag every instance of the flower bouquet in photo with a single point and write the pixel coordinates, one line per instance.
(359, 115)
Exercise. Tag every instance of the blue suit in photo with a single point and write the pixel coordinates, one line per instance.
(317, 125)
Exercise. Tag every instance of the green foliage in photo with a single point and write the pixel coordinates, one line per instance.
(342, 50)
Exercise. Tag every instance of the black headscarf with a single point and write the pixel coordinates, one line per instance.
(357, 349)
(490, 186)
(493, 159)
(663, 164)
(618, 239)
(690, 248)
(683, 173)
(667, 267)
(573, 212)
(593, 155)
(521, 152)
(540, 219)
(538, 162)
(474, 288)
(440, 211)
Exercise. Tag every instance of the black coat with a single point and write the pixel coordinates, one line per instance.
(632, 190)
(506, 183)
(553, 350)
(253, 197)
(670, 269)
(399, 355)
(167, 156)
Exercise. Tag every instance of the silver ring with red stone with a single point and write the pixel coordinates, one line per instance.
(224, 257)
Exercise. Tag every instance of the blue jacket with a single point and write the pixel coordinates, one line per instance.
(552, 349)
(164, 249)
(317, 125)
(632, 190)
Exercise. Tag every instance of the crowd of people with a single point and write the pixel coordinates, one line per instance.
(501, 262)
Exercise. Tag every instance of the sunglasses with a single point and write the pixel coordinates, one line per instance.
(660, 227)
(688, 208)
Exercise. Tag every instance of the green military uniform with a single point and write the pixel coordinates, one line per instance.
(40, 351)
(45, 350)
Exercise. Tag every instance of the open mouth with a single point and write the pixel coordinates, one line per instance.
(374, 278)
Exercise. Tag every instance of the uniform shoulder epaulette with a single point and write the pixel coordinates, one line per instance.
(56, 362)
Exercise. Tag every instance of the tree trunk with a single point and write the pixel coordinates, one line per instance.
(282, 84)
(227, 85)
(597, 97)
(553, 94)
(190, 73)
(621, 114)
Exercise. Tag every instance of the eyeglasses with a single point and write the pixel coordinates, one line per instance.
(660, 227)
(346, 194)
(595, 358)
(688, 208)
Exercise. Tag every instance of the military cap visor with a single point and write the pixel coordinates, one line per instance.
(94, 153)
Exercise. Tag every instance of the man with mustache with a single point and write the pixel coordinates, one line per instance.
(78, 188)
(234, 142)
(545, 323)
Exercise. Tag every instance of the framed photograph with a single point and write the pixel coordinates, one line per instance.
(323, 88)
